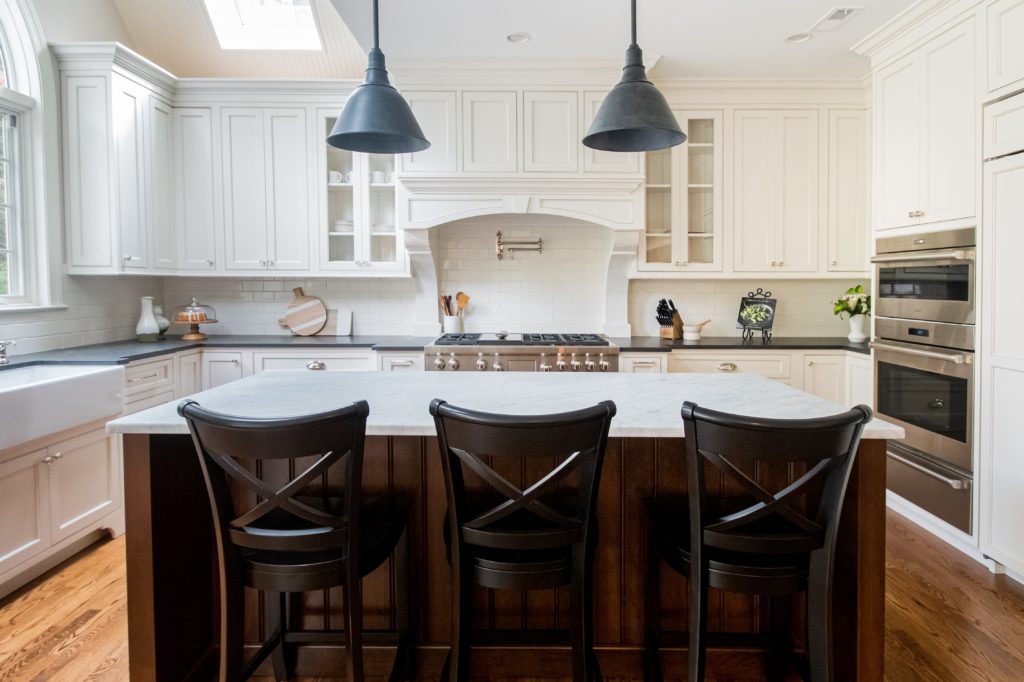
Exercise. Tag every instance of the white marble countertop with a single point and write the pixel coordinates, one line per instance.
(648, 404)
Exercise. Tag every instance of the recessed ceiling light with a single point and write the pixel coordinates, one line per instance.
(798, 38)
(518, 38)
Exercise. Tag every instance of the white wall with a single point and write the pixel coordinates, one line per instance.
(81, 21)
(804, 306)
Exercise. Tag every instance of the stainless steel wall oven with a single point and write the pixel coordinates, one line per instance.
(924, 368)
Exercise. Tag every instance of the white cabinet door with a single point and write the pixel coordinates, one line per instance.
(1005, 46)
(798, 192)
(129, 104)
(1004, 127)
(25, 531)
(824, 376)
(222, 367)
(189, 374)
(1001, 464)
(437, 114)
(950, 104)
(898, 143)
(754, 191)
(160, 198)
(84, 482)
(244, 189)
(595, 160)
(289, 199)
(551, 136)
(195, 210)
(490, 132)
(859, 380)
(848, 228)
(91, 242)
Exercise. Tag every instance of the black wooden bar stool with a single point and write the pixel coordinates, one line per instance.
(300, 536)
(779, 540)
(506, 538)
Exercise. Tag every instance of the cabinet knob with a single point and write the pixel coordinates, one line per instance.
(780, 264)
(209, 262)
(910, 214)
(316, 365)
(810, 363)
(49, 460)
(835, 262)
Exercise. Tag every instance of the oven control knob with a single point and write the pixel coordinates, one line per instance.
(544, 366)
(439, 362)
(602, 364)
(562, 365)
(589, 364)
(453, 362)
(497, 366)
(481, 364)
(575, 364)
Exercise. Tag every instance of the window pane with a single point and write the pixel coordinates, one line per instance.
(5, 241)
(5, 122)
(4, 269)
(5, 169)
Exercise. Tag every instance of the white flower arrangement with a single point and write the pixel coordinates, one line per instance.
(853, 302)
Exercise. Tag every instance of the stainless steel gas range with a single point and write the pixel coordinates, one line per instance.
(504, 352)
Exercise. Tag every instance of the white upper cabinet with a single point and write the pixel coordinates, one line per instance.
(489, 132)
(160, 195)
(194, 174)
(551, 123)
(1004, 127)
(1005, 20)
(438, 116)
(776, 191)
(925, 150)
(116, 135)
(266, 188)
(130, 104)
(595, 160)
(848, 227)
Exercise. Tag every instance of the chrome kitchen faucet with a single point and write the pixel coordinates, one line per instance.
(3, 350)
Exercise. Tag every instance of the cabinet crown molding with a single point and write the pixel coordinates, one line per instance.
(908, 22)
(72, 57)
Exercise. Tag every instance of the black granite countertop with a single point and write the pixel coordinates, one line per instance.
(653, 344)
(123, 352)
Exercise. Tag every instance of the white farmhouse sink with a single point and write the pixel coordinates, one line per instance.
(45, 399)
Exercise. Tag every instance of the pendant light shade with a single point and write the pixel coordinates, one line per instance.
(634, 117)
(376, 118)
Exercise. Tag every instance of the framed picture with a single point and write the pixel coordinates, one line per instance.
(757, 313)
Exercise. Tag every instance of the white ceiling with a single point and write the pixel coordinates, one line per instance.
(178, 35)
(695, 38)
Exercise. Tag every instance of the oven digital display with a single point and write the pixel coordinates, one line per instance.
(917, 331)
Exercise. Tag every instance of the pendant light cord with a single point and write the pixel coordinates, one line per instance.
(633, 35)
(376, 30)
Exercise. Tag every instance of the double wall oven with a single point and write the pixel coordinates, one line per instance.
(924, 367)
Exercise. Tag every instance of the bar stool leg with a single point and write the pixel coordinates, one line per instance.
(353, 624)
(276, 629)
(819, 619)
(697, 651)
(232, 621)
(462, 622)
(581, 618)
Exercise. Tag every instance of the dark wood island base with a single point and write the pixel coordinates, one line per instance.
(172, 581)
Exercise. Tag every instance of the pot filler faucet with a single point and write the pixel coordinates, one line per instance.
(3, 350)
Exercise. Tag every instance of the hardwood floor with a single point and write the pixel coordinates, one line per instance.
(947, 618)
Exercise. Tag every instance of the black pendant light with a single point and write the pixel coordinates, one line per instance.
(634, 117)
(376, 118)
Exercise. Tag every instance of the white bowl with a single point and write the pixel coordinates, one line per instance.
(691, 332)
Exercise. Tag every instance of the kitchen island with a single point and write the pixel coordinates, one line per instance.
(171, 578)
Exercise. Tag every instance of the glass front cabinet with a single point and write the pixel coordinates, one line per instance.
(683, 232)
(358, 226)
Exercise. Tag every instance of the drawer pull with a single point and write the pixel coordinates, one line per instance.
(135, 380)
(316, 365)
(727, 367)
(954, 483)
(401, 363)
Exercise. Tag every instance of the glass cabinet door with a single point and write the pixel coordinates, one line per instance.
(382, 236)
(683, 202)
(340, 177)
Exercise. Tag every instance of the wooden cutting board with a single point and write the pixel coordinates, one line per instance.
(305, 315)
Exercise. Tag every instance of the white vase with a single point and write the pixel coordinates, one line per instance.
(147, 329)
(162, 322)
(858, 328)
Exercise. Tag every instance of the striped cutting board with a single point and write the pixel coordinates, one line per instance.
(305, 315)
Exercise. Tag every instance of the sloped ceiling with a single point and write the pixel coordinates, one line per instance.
(178, 35)
(695, 38)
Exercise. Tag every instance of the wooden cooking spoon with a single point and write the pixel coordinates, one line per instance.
(463, 301)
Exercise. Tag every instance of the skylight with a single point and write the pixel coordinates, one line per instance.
(264, 24)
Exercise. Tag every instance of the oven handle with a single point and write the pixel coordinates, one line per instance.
(954, 483)
(958, 358)
(909, 258)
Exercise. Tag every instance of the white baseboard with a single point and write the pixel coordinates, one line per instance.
(940, 529)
